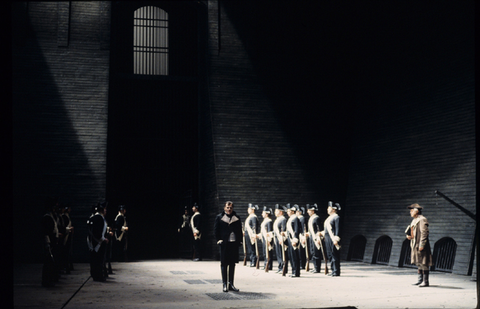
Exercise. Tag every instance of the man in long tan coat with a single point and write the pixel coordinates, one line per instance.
(417, 232)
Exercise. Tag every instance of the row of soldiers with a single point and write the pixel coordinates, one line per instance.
(103, 241)
(57, 232)
(295, 240)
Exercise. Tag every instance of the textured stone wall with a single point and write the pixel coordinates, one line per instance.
(60, 95)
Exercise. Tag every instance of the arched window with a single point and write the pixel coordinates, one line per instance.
(405, 255)
(150, 41)
(444, 254)
(357, 248)
(383, 248)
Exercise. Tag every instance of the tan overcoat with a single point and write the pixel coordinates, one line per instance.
(419, 231)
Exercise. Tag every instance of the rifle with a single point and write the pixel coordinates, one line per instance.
(324, 256)
(284, 270)
(269, 256)
(307, 255)
(257, 265)
(244, 250)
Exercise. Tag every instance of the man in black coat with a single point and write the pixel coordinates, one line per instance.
(228, 234)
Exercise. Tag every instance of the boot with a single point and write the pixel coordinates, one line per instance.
(253, 262)
(231, 274)
(425, 279)
(420, 277)
(224, 278)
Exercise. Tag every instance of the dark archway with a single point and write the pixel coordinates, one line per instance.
(356, 250)
(383, 249)
(444, 254)
(152, 151)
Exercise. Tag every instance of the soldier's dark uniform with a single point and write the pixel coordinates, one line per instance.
(314, 228)
(50, 238)
(293, 231)
(302, 252)
(97, 229)
(251, 230)
(58, 247)
(331, 233)
(197, 227)
(266, 231)
(121, 235)
(279, 226)
(67, 240)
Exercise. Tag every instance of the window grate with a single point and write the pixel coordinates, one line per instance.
(150, 41)
(383, 249)
(444, 254)
(406, 254)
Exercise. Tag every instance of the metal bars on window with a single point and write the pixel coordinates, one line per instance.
(150, 41)
(444, 254)
(383, 248)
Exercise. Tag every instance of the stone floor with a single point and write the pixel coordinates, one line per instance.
(188, 284)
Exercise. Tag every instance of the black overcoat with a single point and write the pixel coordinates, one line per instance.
(224, 225)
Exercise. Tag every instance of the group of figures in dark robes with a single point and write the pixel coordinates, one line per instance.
(105, 243)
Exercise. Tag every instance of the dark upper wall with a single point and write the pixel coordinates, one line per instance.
(415, 131)
(393, 84)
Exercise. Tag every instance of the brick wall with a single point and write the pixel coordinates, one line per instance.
(248, 158)
(60, 86)
(415, 135)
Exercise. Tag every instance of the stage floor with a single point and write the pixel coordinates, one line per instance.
(188, 284)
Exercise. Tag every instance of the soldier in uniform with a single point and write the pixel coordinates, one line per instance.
(293, 239)
(251, 230)
(314, 238)
(50, 238)
(58, 248)
(228, 234)
(107, 267)
(417, 232)
(266, 234)
(332, 239)
(121, 234)
(67, 240)
(97, 242)
(196, 224)
(185, 234)
(303, 255)
(279, 226)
